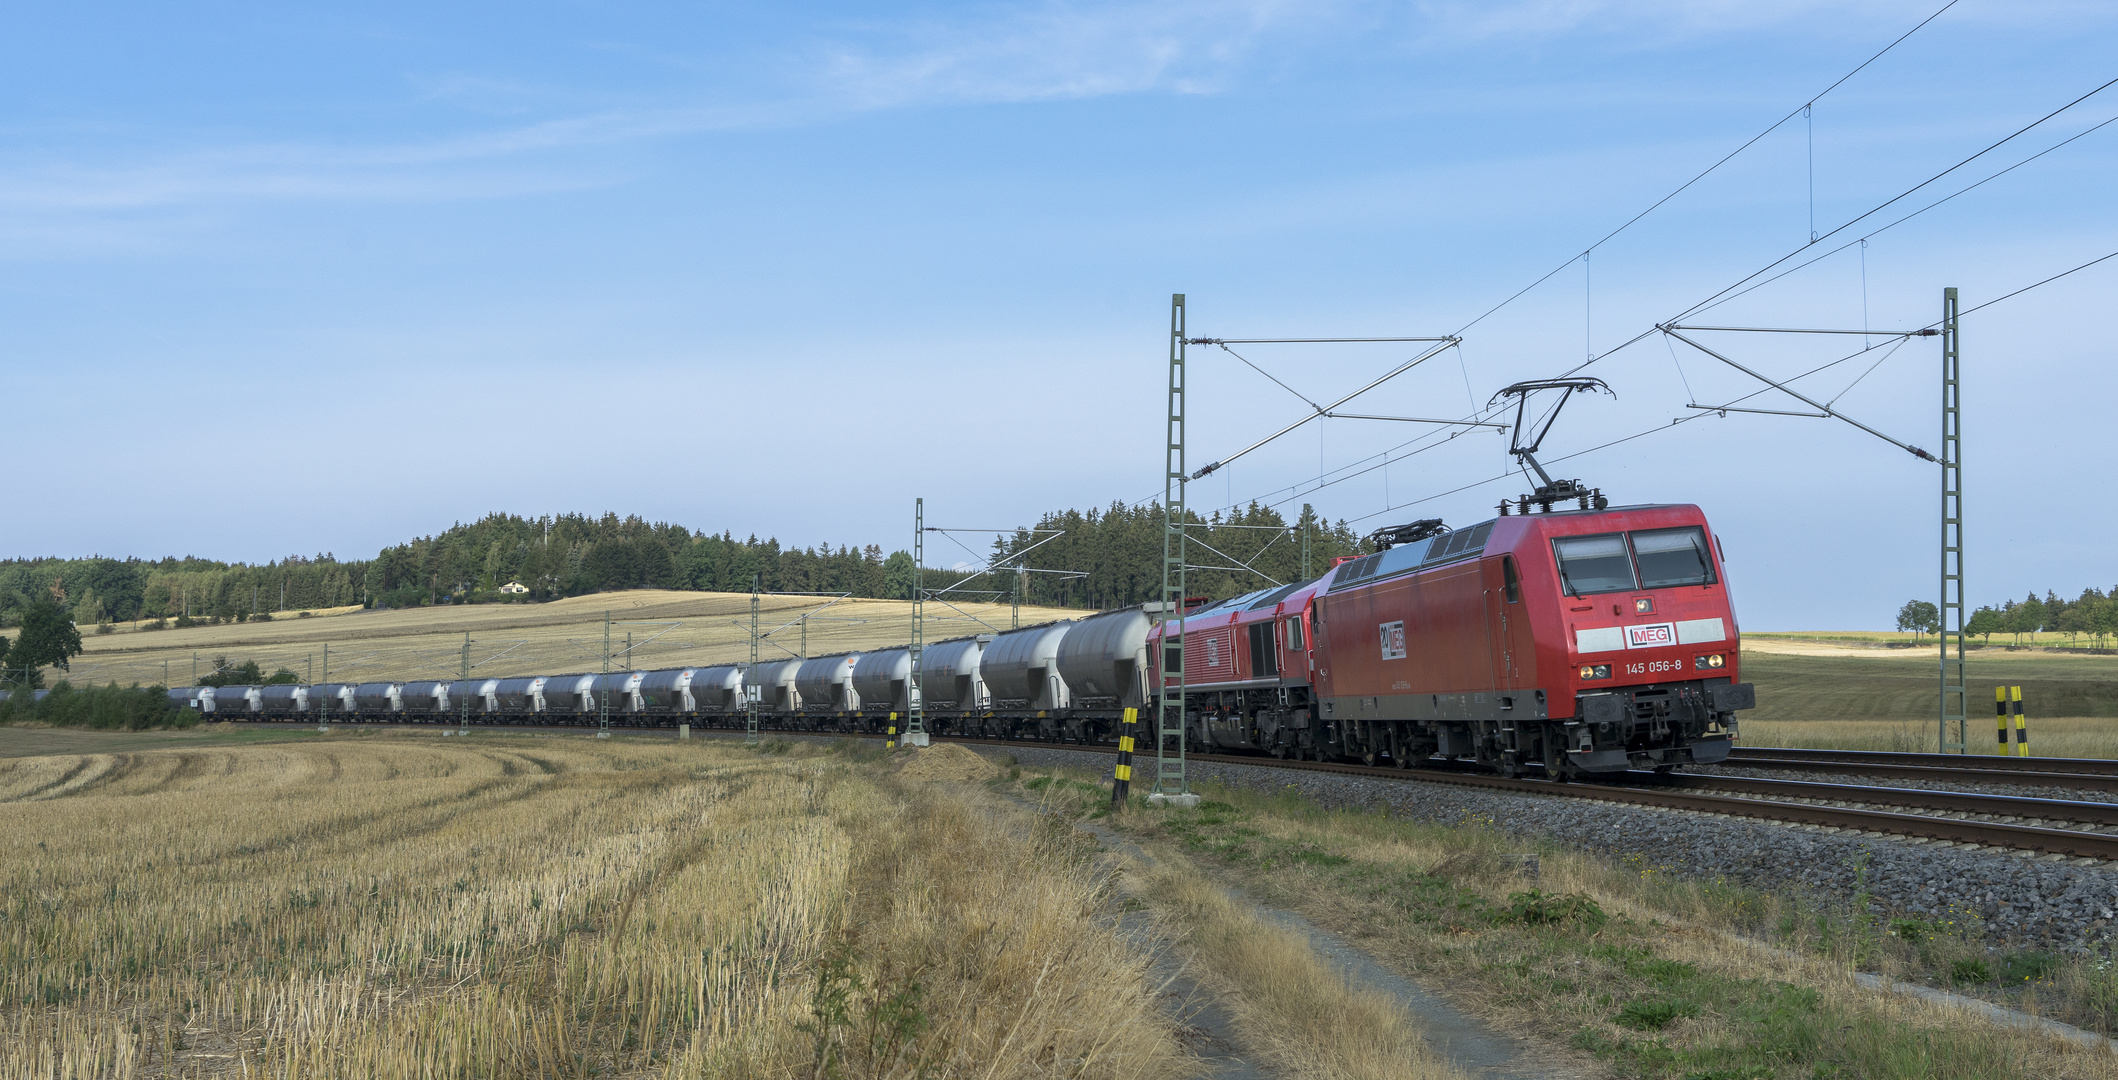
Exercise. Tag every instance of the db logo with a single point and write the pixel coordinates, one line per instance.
(1393, 635)
(1650, 636)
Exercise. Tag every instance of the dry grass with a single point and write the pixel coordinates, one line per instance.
(561, 636)
(1653, 974)
(2069, 736)
(1294, 1011)
(398, 906)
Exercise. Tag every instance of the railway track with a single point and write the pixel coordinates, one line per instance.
(2085, 774)
(1998, 821)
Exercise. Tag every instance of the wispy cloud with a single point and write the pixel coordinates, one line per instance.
(1057, 50)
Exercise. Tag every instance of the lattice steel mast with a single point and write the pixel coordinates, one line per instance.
(916, 716)
(1169, 712)
(1955, 702)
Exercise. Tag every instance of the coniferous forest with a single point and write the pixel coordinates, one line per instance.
(1085, 559)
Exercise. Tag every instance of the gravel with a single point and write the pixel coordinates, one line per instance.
(2024, 791)
(2023, 899)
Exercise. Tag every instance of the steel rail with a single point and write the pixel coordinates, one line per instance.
(2067, 842)
(2102, 766)
(2087, 812)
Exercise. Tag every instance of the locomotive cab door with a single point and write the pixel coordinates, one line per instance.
(1505, 625)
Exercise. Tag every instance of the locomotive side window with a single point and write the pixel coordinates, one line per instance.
(1294, 633)
(1507, 576)
(1673, 557)
(1594, 564)
(1264, 662)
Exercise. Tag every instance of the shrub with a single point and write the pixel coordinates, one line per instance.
(1970, 971)
(1653, 1014)
(2024, 966)
(158, 624)
(1536, 908)
(183, 621)
(108, 707)
(262, 616)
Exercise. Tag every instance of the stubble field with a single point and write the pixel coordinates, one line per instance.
(384, 906)
(530, 639)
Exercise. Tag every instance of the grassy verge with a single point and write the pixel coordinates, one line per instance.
(2063, 736)
(1654, 975)
(388, 907)
(1904, 686)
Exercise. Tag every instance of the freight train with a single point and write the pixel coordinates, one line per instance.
(1561, 643)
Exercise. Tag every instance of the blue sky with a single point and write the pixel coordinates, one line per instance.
(282, 280)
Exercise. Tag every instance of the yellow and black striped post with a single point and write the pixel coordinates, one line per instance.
(1122, 779)
(2000, 717)
(2022, 728)
(891, 742)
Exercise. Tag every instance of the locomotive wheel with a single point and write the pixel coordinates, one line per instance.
(1279, 752)
(1368, 759)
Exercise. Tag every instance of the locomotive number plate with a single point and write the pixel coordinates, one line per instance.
(1393, 635)
(1650, 635)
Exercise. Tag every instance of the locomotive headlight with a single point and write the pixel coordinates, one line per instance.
(1709, 663)
(1595, 671)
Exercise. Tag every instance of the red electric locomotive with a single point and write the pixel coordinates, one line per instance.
(1570, 641)
(1589, 641)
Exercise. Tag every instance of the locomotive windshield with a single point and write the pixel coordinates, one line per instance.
(1665, 558)
(1673, 557)
(1594, 564)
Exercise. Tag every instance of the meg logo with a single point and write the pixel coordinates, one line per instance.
(1393, 634)
(1650, 635)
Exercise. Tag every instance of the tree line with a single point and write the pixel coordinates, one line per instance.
(1073, 558)
(2093, 614)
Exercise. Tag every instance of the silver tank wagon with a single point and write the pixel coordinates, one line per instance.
(826, 682)
(716, 689)
(1104, 660)
(519, 696)
(373, 698)
(569, 695)
(1021, 667)
(882, 679)
(771, 685)
(948, 674)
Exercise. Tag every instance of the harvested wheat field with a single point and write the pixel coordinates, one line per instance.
(532, 639)
(399, 906)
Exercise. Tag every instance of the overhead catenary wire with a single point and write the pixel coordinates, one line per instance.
(1585, 254)
(1326, 478)
(1679, 421)
(1894, 199)
(1710, 169)
(1862, 241)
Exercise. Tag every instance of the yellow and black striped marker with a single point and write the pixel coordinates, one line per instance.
(2007, 702)
(2022, 725)
(2000, 717)
(1122, 779)
(891, 742)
